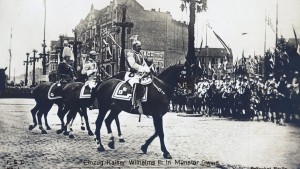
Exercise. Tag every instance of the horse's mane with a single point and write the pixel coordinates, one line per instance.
(167, 70)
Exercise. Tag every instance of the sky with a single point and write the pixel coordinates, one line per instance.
(228, 18)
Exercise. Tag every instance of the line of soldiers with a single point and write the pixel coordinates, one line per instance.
(246, 97)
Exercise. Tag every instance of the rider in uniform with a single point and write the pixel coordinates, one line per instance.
(65, 73)
(90, 69)
(137, 65)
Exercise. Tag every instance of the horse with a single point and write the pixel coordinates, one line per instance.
(3, 78)
(160, 91)
(73, 104)
(44, 104)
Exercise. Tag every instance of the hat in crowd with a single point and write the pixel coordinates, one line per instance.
(256, 77)
(260, 79)
(245, 78)
(251, 80)
(93, 53)
(240, 76)
(284, 75)
(296, 72)
(228, 77)
(271, 75)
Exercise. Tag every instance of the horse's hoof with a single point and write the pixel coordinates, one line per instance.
(111, 144)
(82, 128)
(71, 136)
(48, 128)
(44, 132)
(31, 127)
(167, 156)
(144, 149)
(101, 148)
(66, 133)
(90, 133)
(121, 140)
(59, 131)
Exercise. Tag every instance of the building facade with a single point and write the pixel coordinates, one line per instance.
(163, 38)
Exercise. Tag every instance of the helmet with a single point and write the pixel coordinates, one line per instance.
(93, 53)
(136, 42)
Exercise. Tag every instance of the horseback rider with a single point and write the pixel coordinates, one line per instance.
(137, 65)
(65, 72)
(90, 69)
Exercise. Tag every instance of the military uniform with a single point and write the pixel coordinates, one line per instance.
(90, 69)
(65, 72)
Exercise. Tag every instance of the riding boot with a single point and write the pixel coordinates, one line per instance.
(134, 108)
(91, 103)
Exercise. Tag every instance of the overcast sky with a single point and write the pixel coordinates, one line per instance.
(228, 18)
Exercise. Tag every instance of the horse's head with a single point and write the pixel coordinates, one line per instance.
(189, 74)
(2, 78)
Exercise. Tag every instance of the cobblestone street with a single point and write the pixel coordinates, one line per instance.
(194, 142)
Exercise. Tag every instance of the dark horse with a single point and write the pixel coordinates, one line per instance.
(44, 104)
(160, 91)
(2, 79)
(74, 104)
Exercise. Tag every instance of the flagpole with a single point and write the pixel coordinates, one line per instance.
(275, 58)
(10, 53)
(265, 34)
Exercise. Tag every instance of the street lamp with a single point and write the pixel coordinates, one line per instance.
(33, 60)
(26, 73)
(124, 25)
(76, 45)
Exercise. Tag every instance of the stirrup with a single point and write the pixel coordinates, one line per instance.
(135, 109)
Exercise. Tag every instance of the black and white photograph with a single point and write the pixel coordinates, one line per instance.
(150, 84)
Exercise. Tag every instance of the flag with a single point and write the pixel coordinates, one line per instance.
(219, 64)
(201, 46)
(226, 61)
(199, 64)
(243, 58)
(271, 62)
(244, 33)
(222, 42)
(113, 39)
(107, 47)
(209, 65)
(298, 49)
(255, 60)
(295, 38)
(269, 22)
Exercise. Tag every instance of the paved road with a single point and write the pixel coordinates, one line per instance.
(194, 142)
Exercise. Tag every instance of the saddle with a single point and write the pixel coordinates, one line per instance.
(85, 92)
(123, 91)
(55, 91)
(143, 79)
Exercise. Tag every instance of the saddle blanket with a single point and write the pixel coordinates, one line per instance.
(55, 91)
(85, 92)
(123, 92)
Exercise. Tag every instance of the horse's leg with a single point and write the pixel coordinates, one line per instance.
(99, 121)
(33, 113)
(62, 111)
(46, 121)
(44, 109)
(121, 139)
(158, 124)
(86, 119)
(112, 115)
(70, 119)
